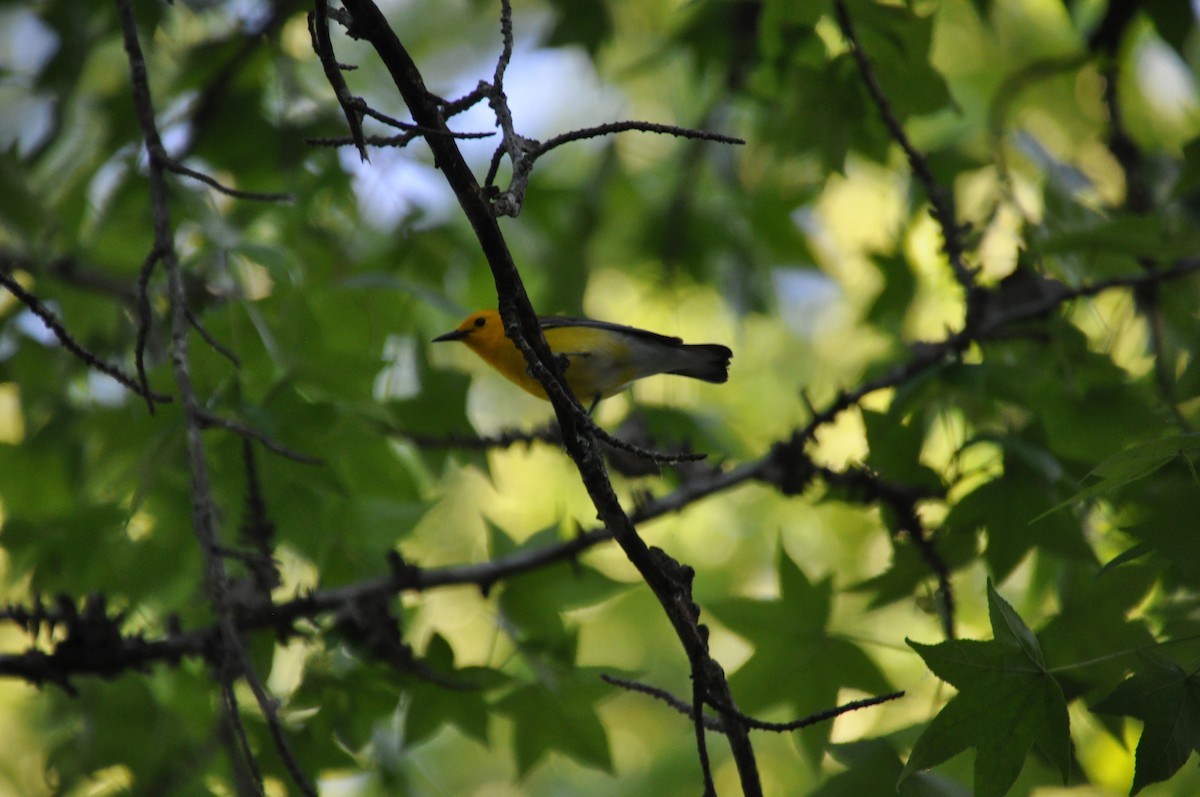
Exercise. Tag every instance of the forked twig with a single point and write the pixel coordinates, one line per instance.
(69, 343)
(941, 201)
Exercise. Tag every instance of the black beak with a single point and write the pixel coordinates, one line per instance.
(456, 334)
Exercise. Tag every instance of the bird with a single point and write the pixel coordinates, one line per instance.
(600, 359)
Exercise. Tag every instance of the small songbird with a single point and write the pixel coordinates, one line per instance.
(600, 359)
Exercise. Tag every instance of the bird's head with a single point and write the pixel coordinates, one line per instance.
(479, 330)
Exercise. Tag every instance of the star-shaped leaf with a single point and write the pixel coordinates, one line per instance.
(459, 700)
(1094, 621)
(532, 603)
(1007, 702)
(1167, 699)
(559, 714)
(796, 661)
(872, 766)
(1005, 508)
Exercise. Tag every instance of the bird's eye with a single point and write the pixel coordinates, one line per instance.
(480, 322)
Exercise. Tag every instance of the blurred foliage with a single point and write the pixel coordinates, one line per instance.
(1055, 460)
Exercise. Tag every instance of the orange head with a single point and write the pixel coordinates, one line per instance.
(480, 330)
(483, 333)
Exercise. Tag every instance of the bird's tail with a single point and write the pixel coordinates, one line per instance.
(706, 361)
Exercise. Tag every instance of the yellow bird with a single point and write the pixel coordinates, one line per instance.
(600, 359)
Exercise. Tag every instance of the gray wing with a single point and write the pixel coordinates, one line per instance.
(552, 321)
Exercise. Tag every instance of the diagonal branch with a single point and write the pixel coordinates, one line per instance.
(523, 152)
(318, 28)
(1139, 194)
(714, 724)
(670, 581)
(175, 167)
(941, 201)
(608, 128)
(204, 510)
(207, 420)
(9, 282)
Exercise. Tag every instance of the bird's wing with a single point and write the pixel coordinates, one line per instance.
(555, 322)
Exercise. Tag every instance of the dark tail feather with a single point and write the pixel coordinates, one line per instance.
(710, 362)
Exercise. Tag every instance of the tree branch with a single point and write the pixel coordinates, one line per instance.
(318, 28)
(941, 201)
(608, 128)
(714, 724)
(9, 282)
(670, 581)
(204, 510)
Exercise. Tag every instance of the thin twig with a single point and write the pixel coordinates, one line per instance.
(217, 346)
(237, 730)
(256, 529)
(649, 454)
(820, 716)
(518, 148)
(489, 179)
(409, 127)
(940, 200)
(318, 27)
(466, 102)
(698, 724)
(715, 724)
(682, 706)
(609, 128)
(204, 510)
(411, 132)
(1139, 200)
(208, 420)
(75, 347)
(144, 320)
(547, 434)
(869, 488)
(270, 711)
(68, 270)
(504, 439)
(397, 141)
(176, 167)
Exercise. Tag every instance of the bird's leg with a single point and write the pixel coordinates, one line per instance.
(595, 401)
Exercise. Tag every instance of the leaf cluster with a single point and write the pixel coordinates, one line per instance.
(955, 258)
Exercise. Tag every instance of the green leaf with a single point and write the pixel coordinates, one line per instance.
(790, 634)
(891, 304)
(1006, 508)
(1161, 512)
(1127, 556)
(782, 23)
(460, 701)
(1007, 702)
(873, 767)
(584, 22)
(559, 716)
(1165, 697)
(104, 723)
(1092, 625)
(1172, 21)
(896, 442)
(1133, 463)
(1134, 236)
(909, 571)
(834, 86)
(533, 602)
(898, 41)
(22, 210)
